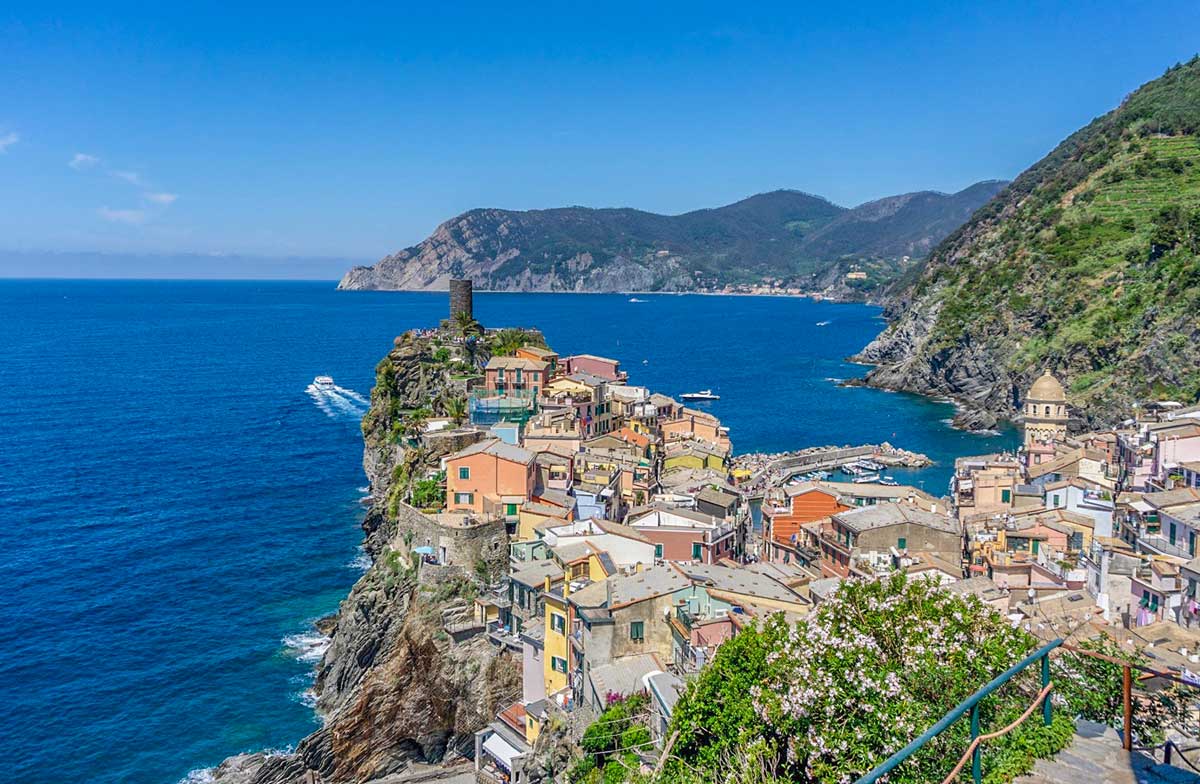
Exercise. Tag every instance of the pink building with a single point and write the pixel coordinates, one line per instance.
(516, 374)
(607, 369)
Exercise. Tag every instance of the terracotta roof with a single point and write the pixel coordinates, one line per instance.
(514, 363)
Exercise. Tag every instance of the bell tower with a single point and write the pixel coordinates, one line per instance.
(1045, 412)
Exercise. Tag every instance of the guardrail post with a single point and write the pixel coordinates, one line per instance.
(1127, 705)
(1047, 709)
(977, 755)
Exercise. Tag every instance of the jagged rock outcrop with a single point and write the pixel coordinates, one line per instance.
(393, 687)
(785, 235)
(1088, 264)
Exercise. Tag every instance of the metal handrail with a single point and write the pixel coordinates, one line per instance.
(972, 704)
(1173, 745)
(970, 752)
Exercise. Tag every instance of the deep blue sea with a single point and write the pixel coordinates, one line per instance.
(177, 507)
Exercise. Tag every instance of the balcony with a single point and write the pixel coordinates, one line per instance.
(1161, 545)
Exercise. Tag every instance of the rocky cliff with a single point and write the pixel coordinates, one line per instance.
(1088, 264)
(784, 235)
(393, 687)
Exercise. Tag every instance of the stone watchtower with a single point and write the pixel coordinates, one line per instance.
(1045, 412)
(461, 299)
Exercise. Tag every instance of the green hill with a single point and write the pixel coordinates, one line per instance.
(1088, 264)
(783, 235)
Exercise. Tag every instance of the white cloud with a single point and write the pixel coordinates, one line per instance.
(130, 217)
(83, 161)
(131, 177)
(8, 140)
(161, 198)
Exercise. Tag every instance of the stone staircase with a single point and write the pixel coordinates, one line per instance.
(1096, 757)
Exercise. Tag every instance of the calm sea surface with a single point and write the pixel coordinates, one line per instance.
(176, 506)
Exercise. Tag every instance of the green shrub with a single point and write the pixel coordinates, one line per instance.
(865, 673)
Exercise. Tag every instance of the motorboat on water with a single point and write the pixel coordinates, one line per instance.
(635, 299)
(704, 394)
(323, 382)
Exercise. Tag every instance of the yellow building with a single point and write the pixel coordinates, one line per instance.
(693, 454)
(556, 658)
(532, 514)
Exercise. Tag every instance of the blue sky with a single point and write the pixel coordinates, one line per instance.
(351, 130)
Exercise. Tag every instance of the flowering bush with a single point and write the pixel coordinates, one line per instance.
(865, 673)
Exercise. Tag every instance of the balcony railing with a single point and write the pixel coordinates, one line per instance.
(1163, 546)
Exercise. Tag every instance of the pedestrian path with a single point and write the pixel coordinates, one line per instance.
(1096, 756)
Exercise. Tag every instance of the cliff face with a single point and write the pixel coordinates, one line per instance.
(1088, 265)
(393, 687)
(785, 234)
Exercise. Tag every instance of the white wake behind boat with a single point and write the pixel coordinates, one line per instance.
(704, 394)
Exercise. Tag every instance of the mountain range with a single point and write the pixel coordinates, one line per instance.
(1088, 265)
(790, 238)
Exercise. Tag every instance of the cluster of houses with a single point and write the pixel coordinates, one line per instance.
(633, 553)
(628, 543)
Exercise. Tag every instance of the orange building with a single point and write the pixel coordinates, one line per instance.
(804, 503)
(490, 477)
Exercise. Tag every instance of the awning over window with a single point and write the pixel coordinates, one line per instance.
(500, 750)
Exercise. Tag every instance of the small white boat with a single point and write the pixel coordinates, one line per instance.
(866, 479)
(704, 394)
(635, 299)
(323, 382)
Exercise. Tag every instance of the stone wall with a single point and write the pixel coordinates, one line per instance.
(462, 546)
(446, 442)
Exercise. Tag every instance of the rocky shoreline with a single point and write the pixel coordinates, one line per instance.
(396, 693)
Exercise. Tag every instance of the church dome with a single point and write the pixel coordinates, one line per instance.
(1047, 389)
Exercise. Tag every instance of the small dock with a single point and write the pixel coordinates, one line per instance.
(770, 470)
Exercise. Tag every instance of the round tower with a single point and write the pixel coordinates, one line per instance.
(461, 298)
(1045, 411)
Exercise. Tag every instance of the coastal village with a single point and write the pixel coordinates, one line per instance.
(630, 543)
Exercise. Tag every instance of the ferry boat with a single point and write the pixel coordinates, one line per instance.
(323, 382)
(704, 394)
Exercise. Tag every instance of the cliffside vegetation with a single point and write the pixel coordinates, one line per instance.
(785, 236)
(1088, 263)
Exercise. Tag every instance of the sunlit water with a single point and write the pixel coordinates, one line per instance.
(180, 501)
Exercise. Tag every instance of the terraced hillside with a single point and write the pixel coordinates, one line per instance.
(1089, 264)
